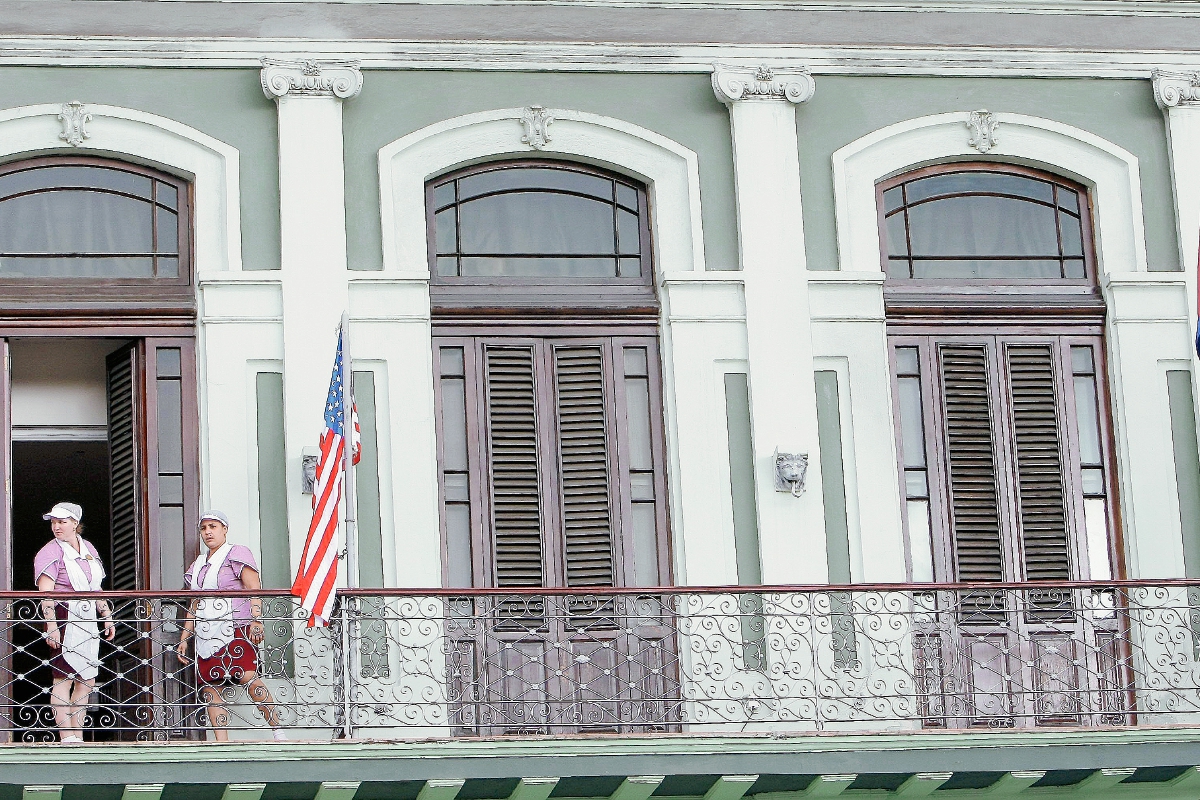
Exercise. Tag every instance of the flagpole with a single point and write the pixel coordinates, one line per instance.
(351, 499)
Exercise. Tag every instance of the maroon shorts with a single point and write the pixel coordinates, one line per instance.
(231, 662)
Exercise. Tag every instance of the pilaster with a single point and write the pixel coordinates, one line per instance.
(771, 238)
(1178, 95)
(312, 218)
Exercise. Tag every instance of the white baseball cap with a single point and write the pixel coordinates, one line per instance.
(64, 511)
(219, 516)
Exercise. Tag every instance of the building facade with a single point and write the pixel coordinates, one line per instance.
(757, 398)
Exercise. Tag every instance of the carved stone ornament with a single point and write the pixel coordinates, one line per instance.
(340, 79)
(982, 124)
(791, 472)
(1173, 89)
(733, 83)
(536, 120)
(74, 122)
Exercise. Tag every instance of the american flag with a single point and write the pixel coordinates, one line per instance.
(318, 566)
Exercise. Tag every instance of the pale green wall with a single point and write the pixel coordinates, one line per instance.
(227, 104)
(845, 108)
(680, 107)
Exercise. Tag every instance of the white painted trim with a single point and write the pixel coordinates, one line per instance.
(1111, 173)
(656, 57)
(125, 133)
(670, 170)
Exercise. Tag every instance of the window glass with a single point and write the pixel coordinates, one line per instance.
(538, 222)
(974, 224)
(84, 221)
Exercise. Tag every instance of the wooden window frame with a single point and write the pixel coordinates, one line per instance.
(992, 296)
(483, 565)
(544, 296)
(90, 298)
(924, 312)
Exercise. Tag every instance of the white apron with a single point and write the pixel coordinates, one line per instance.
(81, 634)
(214, 615)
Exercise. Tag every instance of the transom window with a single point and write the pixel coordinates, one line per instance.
(539, 221)
(977, 221)
(89, 218)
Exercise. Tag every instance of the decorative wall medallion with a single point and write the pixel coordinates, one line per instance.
(1176, 88)
(536, 121)
(340, 79)
(74, 122)
(733, 83)
(791, 472)
(982, 124)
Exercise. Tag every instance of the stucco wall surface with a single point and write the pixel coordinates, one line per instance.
(846, 108)
(227, 104)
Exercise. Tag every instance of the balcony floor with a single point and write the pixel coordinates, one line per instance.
(1144, 762)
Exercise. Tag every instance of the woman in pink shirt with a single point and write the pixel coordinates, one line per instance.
(226, 630)
(70, 563)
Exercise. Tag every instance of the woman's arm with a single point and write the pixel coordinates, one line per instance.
(46, 584)
(251, 580)
(185, 632)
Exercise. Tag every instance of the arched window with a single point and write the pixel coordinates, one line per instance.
(550, 436)
(985, 221)
(996, 334)
(548, 379)
(86, 218)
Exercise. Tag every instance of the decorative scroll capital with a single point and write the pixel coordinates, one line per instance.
(536, 120)
(340, 79)
(1173, 89)
(732, 83)
(74, 121)
(982, 124)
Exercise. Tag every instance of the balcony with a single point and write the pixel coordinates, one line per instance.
(407, 664)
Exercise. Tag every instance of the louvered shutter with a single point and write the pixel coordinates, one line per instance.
(123, 469)
(512, 429)
(1039, 473)
(584, 464)
(970, 443)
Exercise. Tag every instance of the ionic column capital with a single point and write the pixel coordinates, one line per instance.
(1174, 89)
(732, 83)
(305, 78)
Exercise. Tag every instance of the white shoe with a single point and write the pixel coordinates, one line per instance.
(71, 740)
(279, 735)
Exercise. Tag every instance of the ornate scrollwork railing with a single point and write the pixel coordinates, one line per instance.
(494, 662)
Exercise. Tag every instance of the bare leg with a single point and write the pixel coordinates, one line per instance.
(79, 705)
(218, 715)
(60, 701)
(260, 695)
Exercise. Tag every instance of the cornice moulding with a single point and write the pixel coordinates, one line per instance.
(504, 56)
(732, 83)
(310, 78)
(1173, 89)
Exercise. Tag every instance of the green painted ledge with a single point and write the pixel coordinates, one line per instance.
(565, 756)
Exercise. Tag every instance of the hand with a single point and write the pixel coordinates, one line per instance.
(256, 632)
(110, 630)
(52, 638)
(181, 651)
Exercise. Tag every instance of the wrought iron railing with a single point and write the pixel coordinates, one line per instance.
(494, 662)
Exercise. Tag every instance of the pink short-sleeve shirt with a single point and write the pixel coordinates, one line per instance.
(229, 577)
(49, 561)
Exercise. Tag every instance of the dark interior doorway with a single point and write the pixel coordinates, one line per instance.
(44, 473)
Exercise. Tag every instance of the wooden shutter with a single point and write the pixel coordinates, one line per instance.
(1039, 467)
(123, 469)
(584, 463)
(514, 475)
(970, 444)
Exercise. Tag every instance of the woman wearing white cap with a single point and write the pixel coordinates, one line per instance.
(227, 631)
(71, 564)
